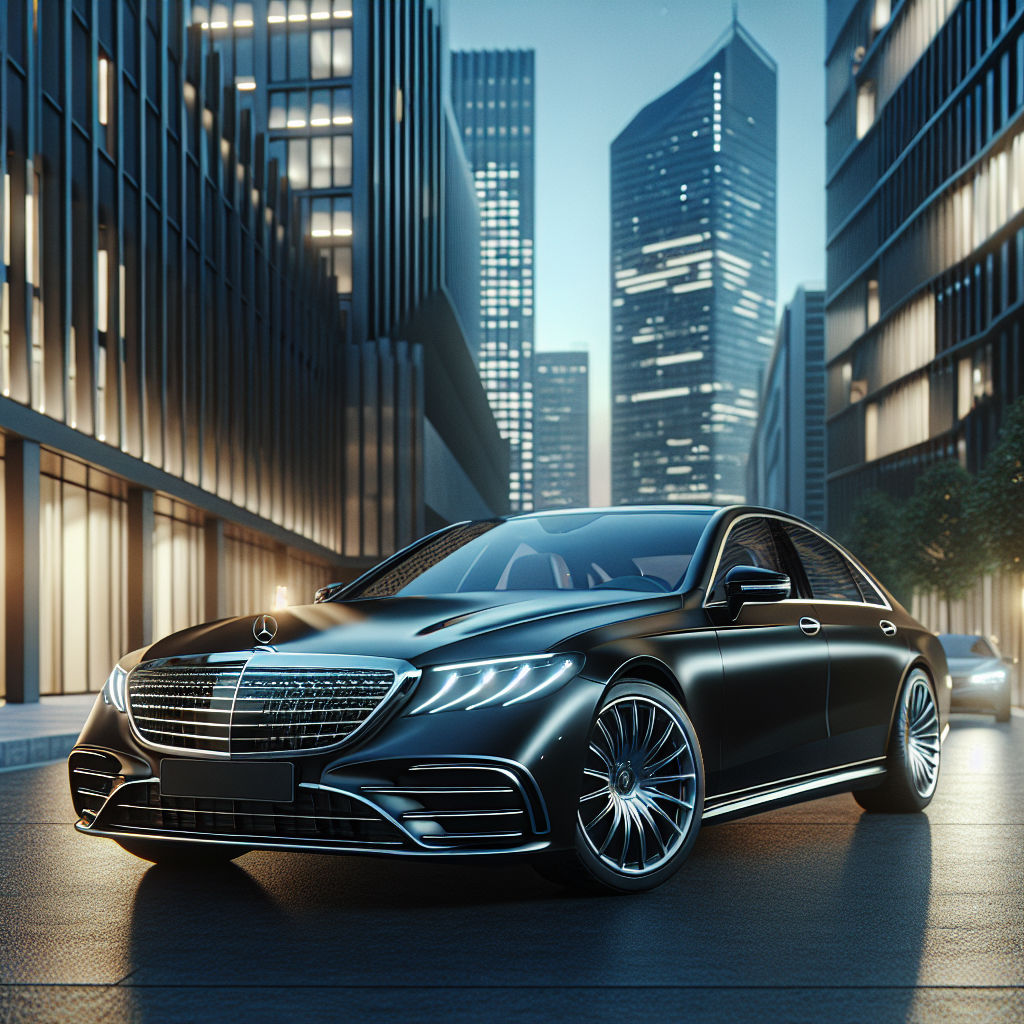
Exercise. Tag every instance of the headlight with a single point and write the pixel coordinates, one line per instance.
(115, 690)
(997, 675)
(488, 684)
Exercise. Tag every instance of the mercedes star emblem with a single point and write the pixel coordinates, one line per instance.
(265, 628)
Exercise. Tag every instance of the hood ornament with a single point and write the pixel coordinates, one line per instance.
(264, 628)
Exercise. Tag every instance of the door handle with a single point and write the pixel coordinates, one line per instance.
(810, 626)
(888, 628)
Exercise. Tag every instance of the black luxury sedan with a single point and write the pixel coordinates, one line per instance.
(981, 675)
(582, 689)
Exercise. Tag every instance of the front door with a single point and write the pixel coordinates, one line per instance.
(775, 671)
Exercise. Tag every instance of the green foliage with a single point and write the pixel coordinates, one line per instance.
(942, 548)
(999, 498)
(874, 535)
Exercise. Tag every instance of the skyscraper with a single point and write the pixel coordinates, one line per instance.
(560, 430)
(787, 457)
(492, 96)
(693, 279)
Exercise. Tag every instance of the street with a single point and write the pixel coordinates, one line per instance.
(814, 913)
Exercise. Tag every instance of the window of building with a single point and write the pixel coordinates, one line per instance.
(866, 94)
(338, 261)
(298, 163)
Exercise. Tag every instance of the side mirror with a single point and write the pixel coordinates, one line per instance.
(328, 592)
(745, 583)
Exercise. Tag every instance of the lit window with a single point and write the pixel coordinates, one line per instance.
(330, 53)
(321, 161)
(342, 160)
(342, 221)
(298, 163)
(275, 12)
(278, 110)
(342, 106)
(243, 15)
(320, 113)
(320, 10)
(296, 10)
(341, 52)
(342, 9)
(297, 109)
(865, 108)
(219, 16)
(103, 99)
(320, 219)
(245, 83)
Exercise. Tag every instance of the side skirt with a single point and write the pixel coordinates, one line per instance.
(796, 791)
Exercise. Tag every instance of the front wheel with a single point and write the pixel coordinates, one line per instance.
(641, 795)
(912, 761)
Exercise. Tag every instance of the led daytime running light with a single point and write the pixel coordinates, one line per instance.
(501, 682)
(115, 689)
(995, 676)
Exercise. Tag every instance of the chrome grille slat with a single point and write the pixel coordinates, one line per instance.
(234, 710)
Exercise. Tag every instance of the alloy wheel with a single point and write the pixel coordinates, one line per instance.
(639, 786)
(921, 736)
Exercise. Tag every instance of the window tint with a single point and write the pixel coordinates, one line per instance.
(827, 571)
(959, 645)
(750, 542)
(867, 589)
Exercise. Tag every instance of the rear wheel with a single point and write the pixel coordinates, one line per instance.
(197, 855)
(641, 795)
(912, 762)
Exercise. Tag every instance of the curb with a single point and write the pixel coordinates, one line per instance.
(37, 750)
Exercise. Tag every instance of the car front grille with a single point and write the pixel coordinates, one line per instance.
(317, 817)
(190, 705)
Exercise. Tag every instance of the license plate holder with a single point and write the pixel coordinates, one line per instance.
(269, 781)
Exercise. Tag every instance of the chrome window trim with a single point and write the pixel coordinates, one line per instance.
(268, 658)
(707, 603)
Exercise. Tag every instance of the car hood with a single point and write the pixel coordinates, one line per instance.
(971, 666)
(417, 628)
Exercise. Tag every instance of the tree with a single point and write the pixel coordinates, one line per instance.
(942, 548)
(873, 536)
(999, 496)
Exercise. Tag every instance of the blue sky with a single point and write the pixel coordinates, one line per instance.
(598, 63)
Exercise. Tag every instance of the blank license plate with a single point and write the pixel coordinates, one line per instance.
(228, 780)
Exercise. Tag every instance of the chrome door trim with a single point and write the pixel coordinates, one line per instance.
(794, 790)
(785, 519)
(798, 778)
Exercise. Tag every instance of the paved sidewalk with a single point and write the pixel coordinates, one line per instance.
(36, 733)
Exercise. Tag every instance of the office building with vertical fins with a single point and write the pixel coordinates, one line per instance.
(693, 199)
(787, 458)
(561, 426)
(492, 98)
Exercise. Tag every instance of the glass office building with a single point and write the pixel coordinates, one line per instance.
(693, 279)
(925, 278)
(561, 426)
(787, 457)
(492, 97)
(925, 101)
(207, 407)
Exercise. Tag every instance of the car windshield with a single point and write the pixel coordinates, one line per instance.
(956, 645)
(577, 551)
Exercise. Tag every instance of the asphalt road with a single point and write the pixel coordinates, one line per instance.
(814, 913)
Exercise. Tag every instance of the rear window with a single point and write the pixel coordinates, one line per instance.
(577, 551)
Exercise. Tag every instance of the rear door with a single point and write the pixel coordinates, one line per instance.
(775, 671)
(867, 653)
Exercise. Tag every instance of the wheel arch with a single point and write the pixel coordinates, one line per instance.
(650, 670)
(917, 662)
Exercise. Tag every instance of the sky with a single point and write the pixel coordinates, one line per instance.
(599, 62)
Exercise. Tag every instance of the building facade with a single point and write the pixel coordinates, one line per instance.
(925, 108)
(353, 96)
(192, 422)
(492, 98)
(693, 279)
(561, 425)
(787, 457)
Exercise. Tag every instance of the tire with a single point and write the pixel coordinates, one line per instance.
(182, 855)
(912, 761)
(1002, 707)
(635, 829)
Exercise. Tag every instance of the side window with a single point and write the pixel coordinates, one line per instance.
(867, 589)
(750, 542)
(828, 573)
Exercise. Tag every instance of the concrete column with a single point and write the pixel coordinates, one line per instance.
(140, 568)
(22, 584)
(215, 570)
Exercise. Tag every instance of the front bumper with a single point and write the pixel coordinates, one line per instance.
(501, 781)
